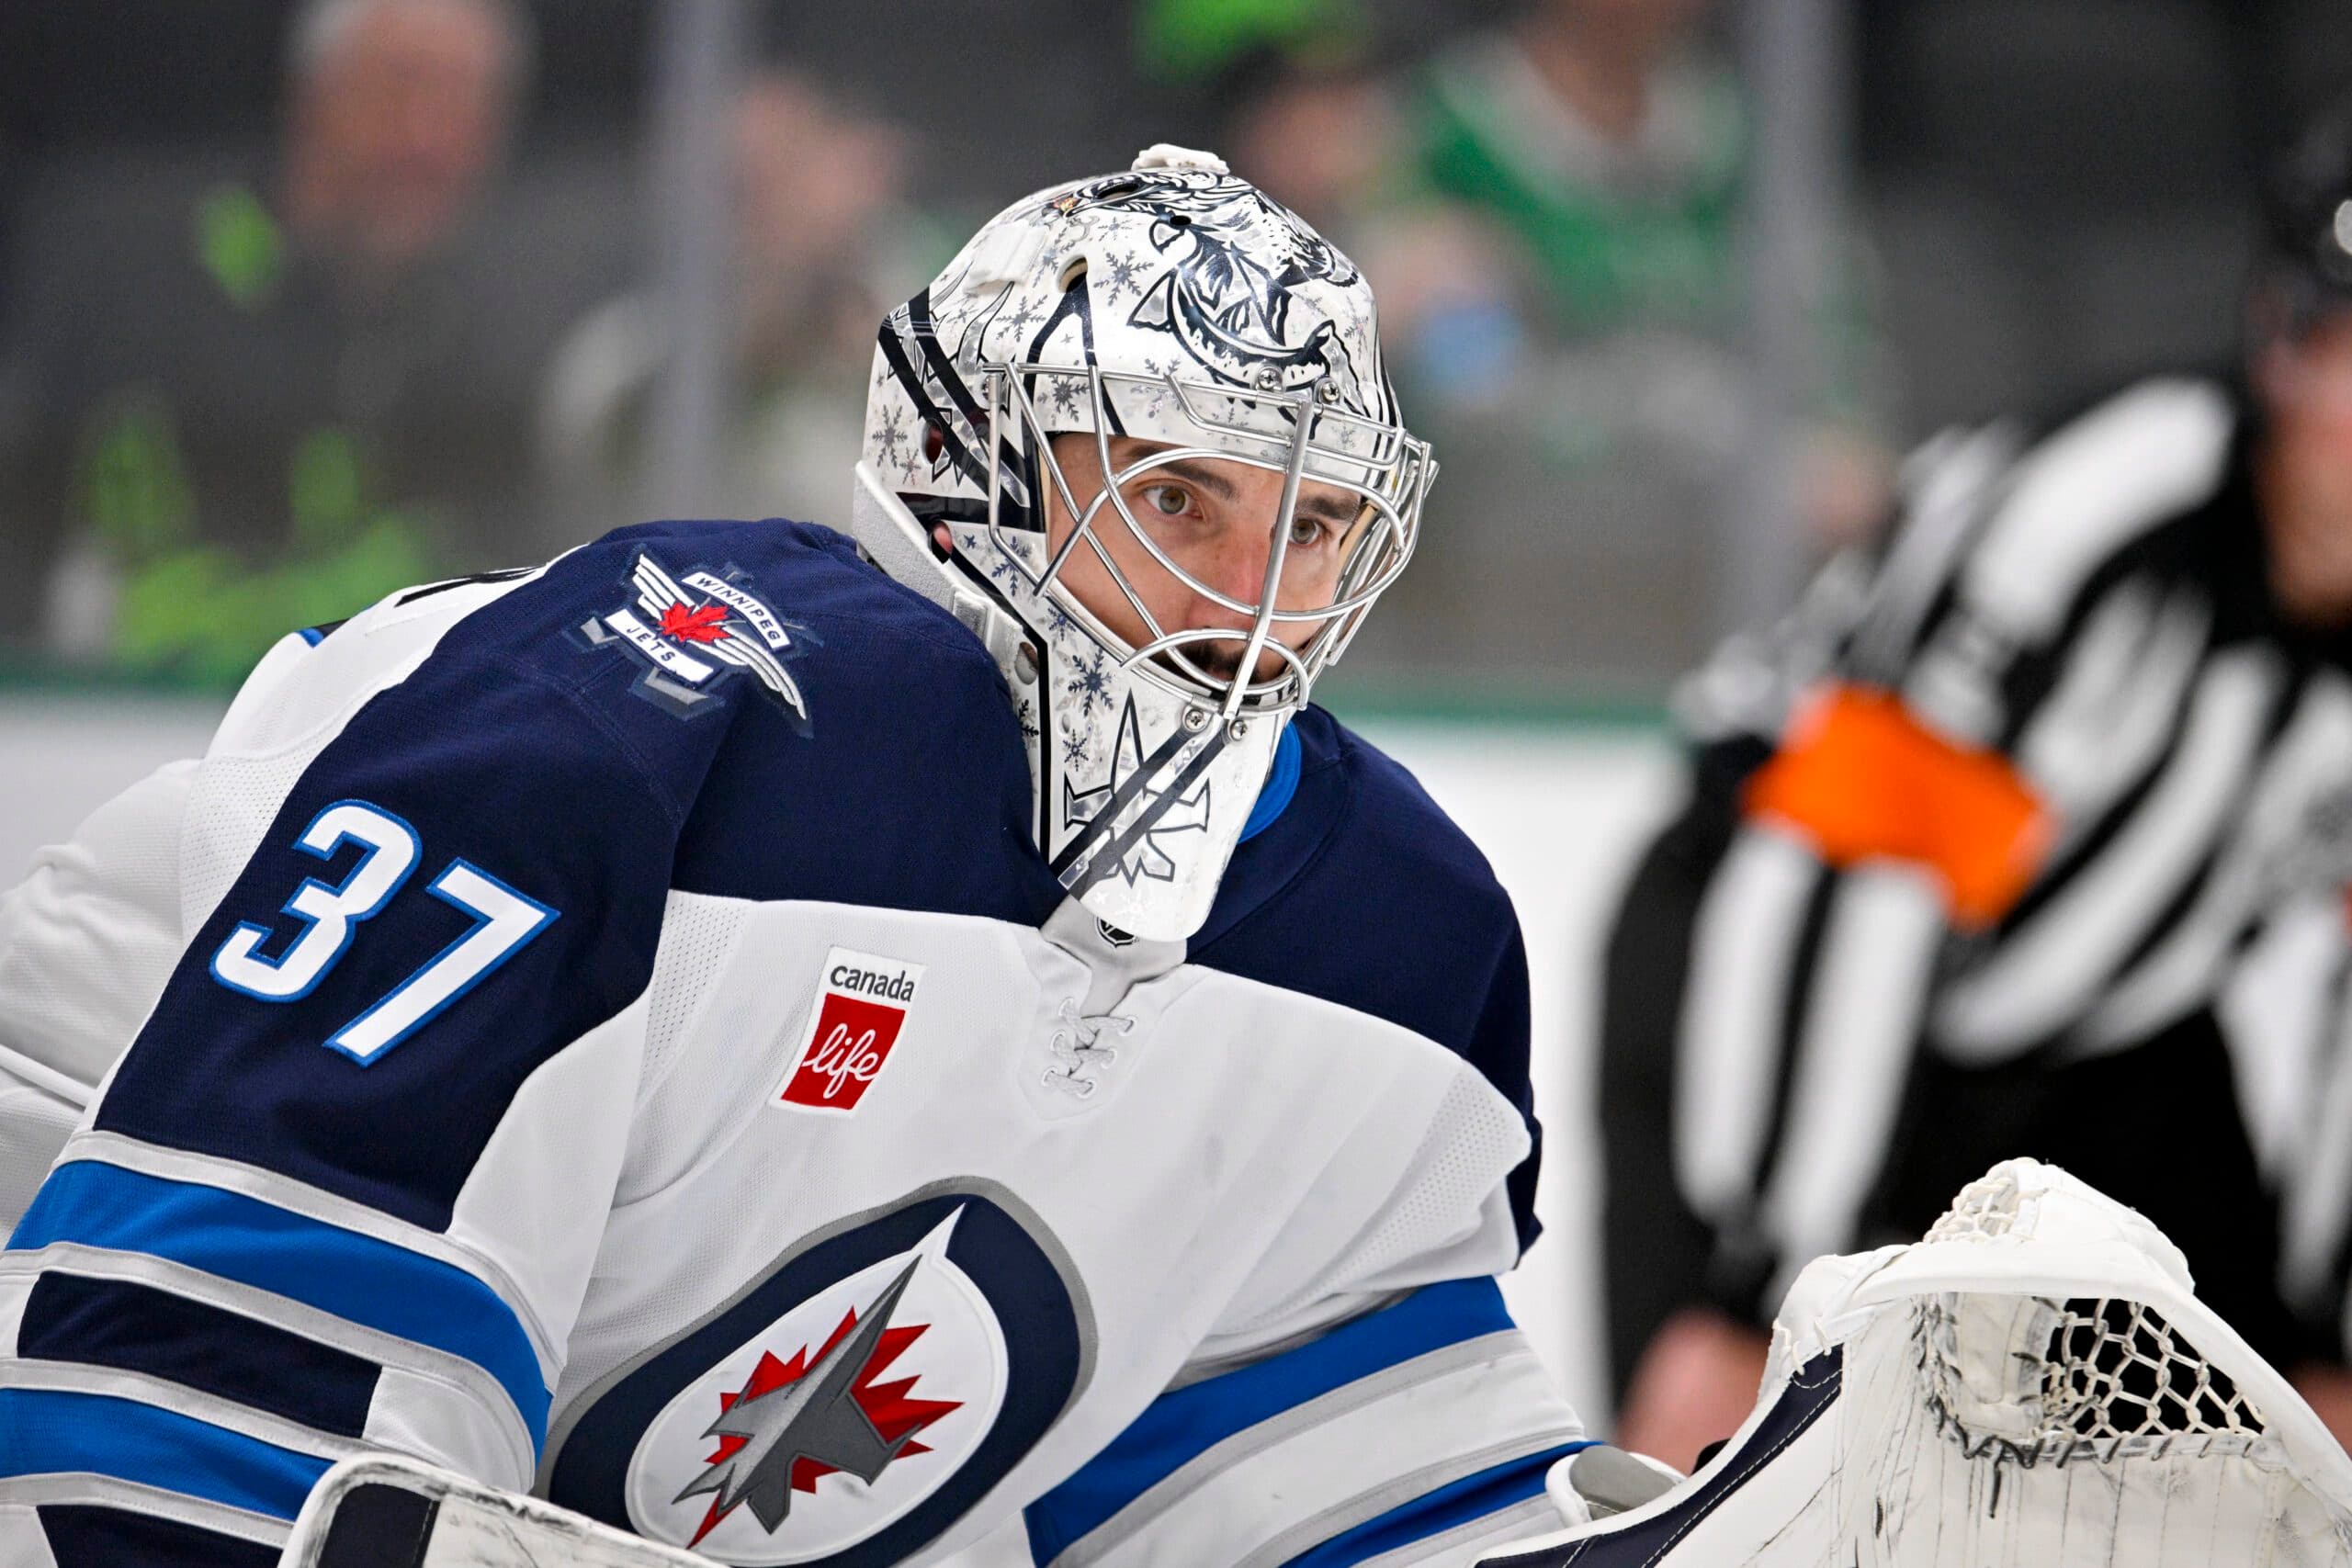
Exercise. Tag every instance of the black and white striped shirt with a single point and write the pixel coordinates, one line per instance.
(2079, 622)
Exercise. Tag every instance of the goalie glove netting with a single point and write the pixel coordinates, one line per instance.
(2115, 1377)
(2034, 1384)
(2113, 1373)
(2062, 1428)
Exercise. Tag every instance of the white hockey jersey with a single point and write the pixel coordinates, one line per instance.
(641, 1056)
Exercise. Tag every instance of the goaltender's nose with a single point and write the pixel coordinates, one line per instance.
(1234, 565)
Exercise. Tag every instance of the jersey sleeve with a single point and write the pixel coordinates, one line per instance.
(1423, 1428)
(1367, 1391)
(86, 942)
(344, 1190)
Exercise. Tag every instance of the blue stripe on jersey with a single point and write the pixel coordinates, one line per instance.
(138, 1328)
(82, 1536)
(1473, 1497)
(1178, 1427)
(48, 1431)
(1282, 783)
(355, 1277)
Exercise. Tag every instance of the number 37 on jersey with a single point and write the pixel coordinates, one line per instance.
(327, 917)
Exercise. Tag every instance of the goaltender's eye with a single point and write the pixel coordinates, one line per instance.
(1168, 501)
(1305, 532)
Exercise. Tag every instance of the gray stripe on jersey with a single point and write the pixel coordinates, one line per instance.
(2048, 971)
(455, 1372)
(1304, 1536)
(301, 1197)
(1171, 1490)
(2267, 857)
(2315, 1195)
(2117, 700)
(1957, 474)
(68, 1489)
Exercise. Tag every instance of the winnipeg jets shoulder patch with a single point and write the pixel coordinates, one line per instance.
(693, 635)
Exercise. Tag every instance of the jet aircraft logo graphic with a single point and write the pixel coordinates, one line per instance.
(693, 635)
(795, 1422)
(851, 1403)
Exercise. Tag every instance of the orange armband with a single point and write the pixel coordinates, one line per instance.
(1863, 779)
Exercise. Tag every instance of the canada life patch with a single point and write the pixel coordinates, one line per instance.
(855, 1026)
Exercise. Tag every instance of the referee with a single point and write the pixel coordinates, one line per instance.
(1969, 850)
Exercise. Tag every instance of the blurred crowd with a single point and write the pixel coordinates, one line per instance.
(249, 384)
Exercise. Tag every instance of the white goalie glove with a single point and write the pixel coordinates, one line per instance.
(2034, 1383)
(378, 1509)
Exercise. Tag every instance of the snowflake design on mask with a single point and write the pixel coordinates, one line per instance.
(1077, 748)
(1091, 686)
(1124, 276)
(1159, 370)
(1165, 817)
(891, 441)
(1021, 321)
(1064, 397)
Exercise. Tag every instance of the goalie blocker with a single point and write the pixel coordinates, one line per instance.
(2033, 1383)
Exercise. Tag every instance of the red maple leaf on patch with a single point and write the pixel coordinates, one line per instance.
(707, 623)
(889, 1406)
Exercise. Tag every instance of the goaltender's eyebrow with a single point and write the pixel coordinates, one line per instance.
(1333, 506)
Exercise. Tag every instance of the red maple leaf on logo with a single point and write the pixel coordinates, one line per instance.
(707, 623)
(889, 1406)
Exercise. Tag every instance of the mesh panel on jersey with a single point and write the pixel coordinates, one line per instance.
(698, 939)
(1470, 1145)
(233, 805)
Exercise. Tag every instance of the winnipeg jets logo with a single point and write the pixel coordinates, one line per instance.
(847, 1409)
(693, 634)
(1123, 793)
(795, 1423)
(850, 1401)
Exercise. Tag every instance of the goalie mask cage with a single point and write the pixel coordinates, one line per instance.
(2034, 1383)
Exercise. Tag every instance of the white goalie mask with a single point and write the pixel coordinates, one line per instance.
(1176, 306)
